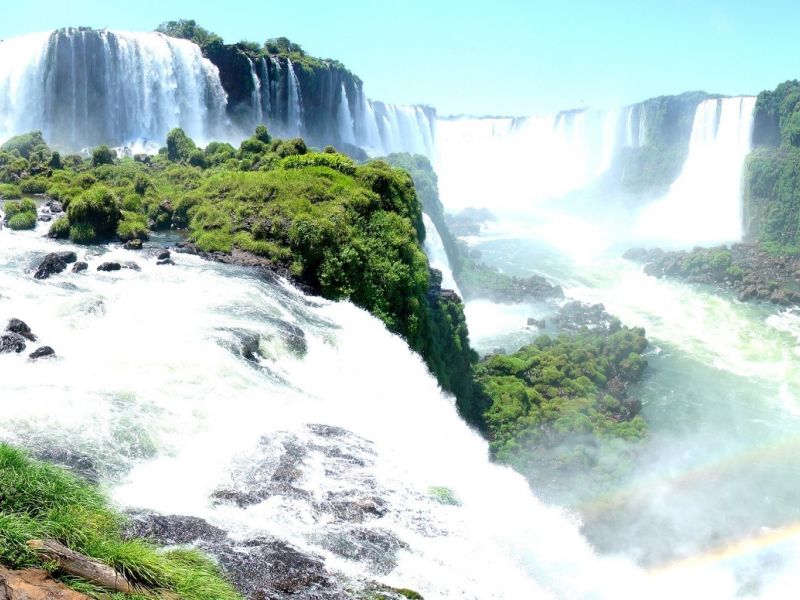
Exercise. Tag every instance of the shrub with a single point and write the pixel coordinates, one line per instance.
(25, 220)
(96, 207)
(141, 183)
(734, 272)
(26, 144)
(9, 192)
(179, 145)
(262, 135)
(103, 155)
(132, 226)
(82, 233)
(55, 161)
(59, 229)
(329, 150)
(26, 205)
(197, 159)
(291, 147)
(34, 185)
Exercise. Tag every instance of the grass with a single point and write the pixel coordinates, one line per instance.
(39, 500)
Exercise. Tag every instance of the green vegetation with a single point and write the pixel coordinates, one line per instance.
(444, 495)
(548, 405)
(347, 231)
(103, 155)
(10, 192)
(21, 215)
(38, 501)
(771, 179)
(26, 145)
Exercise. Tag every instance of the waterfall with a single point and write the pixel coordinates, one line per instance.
(344, 121)
(258, 115)
(629, 140)
(166, 430)
(437, 257)
(642, 127)
(84, 88)
(703, 205)
(610, 121)
(295, 103)
(266, 89)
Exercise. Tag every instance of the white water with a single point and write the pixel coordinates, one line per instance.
(87, 88)
(344, 120)
(258, 115)
(144, 384)
(437, 256)
(295, 103)
(703, 205)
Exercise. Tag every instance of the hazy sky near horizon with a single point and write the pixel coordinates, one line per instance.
(505, 57)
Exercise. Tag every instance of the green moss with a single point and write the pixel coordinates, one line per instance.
(444, 495)
(60, 228)
(25, 220)
(132, 226)
(547, 405)
(42, 501)
(9, 192)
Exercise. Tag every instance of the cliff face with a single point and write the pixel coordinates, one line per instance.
(771, 178)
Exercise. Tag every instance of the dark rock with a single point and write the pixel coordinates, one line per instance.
(172, 529)
(185, 248)
(44, 218)
(163, 254)
(575, 314)
(68, 257)
(79, 266)
(475, 253)
(21, 328)
(78, 463)
(11, 342)
(43, 352)
(166, 261)
(133, 244)
(50, 265)
(132, 266)
(109, 266)
(636, 255)
(55, 206)
(534, 323)
(779, 297)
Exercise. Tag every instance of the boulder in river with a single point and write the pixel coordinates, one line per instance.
(43, 352)
(166, 261)
(68, 256)
(50, 265)
(132, 266)
(109, 266)
(135, 244)
(11, 342)
(534, 323)
(21, 328)
(79, 266)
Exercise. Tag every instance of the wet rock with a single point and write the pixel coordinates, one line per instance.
(132, 266)
(166, 261)
(375, 547)
(636, 255)
(77, 462)
(269, 569)
(172, 529)
(34, 584)
(52, 264)
(133, 245)
(21, 328)
(534, 323)
(109, 266)
(68, 256)
(11, 342)
(79, 266)
(779, 297)
(475, 253)
(575, 314)
(55, 206)
(163, 254)
(43, 352)
(185, 248)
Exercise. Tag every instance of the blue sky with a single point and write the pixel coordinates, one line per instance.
(502, 57)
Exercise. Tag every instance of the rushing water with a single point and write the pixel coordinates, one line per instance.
(437, 256)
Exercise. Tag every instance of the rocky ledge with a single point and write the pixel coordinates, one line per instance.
(479, 281)
(744, 268)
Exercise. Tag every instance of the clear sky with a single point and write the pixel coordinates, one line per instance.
(499, 57)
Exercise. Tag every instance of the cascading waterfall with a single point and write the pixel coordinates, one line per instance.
(344, 121)
(295, 103)
(437, 256)
(703, 205)
(266, 88)
(258, 115)
(642, 127)
(83, 88)
(205, 419)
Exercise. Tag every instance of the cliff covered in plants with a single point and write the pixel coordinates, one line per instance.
(771, 179)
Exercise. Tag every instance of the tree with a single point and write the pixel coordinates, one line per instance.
(187, 29)
(179, 145)
(103, 155)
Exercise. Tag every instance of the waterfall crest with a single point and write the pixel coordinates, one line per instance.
(703, 205)
(84, 88)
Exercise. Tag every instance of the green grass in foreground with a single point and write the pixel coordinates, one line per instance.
(39, 500)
